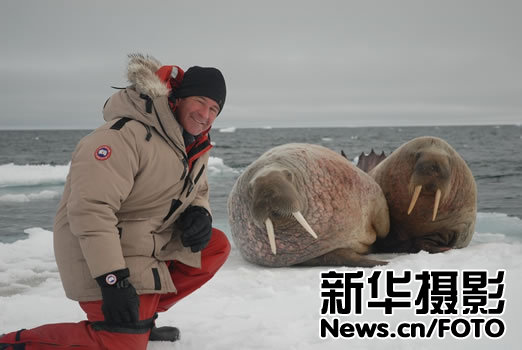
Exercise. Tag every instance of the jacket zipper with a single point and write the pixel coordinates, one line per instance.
(185, 159)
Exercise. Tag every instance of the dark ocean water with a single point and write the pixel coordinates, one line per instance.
(492, 152)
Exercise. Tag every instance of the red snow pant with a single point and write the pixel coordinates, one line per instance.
(86, 335)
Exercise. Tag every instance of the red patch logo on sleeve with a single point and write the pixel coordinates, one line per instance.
(103, 152)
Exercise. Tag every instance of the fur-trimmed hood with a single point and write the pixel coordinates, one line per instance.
(146, 98)
(141, 73)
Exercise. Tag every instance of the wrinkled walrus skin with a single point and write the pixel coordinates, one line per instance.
(342, 204)
(429, 164)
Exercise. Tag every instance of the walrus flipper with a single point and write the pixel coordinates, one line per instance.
(343, 257)
(370, 161)
(433, 242)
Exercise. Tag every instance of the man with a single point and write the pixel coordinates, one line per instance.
(133, 233)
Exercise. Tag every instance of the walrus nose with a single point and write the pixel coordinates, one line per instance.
(431, 187)
(428, 168)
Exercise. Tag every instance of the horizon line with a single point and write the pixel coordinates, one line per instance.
(298, 127)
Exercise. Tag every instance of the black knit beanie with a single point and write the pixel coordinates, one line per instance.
(203, 81)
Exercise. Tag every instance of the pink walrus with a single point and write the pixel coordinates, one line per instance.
(305, 204)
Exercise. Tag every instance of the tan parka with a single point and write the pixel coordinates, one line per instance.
(120, 204)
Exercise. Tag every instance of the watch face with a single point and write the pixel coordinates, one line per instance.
(111, 279)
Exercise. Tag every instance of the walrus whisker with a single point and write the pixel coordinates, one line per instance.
(300, 219)
(271, 235)
(436, 206)
(414, 198)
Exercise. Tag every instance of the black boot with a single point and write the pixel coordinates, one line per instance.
(165, 333)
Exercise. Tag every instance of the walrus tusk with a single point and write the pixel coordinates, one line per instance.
(436, 206)
(414, 198)
(271, 235)
(300, 219)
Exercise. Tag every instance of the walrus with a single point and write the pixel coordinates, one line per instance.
(303, 204)
(431, 195)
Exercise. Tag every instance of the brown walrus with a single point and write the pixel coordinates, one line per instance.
(431, 195)
(304, 204)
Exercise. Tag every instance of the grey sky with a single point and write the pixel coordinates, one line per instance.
(286, 63)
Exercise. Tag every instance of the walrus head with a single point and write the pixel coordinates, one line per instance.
(276, 200)
(431, 195)
(430, 177)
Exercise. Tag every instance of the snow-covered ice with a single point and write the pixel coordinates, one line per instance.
(251, 307)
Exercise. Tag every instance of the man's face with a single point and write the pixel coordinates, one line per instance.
(196, 113)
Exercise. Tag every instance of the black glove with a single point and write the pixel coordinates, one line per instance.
(196, 225)
(121, 304)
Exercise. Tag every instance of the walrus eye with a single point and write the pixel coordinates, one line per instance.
(418, 155)
(288, 175)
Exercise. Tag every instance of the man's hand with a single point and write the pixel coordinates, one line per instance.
(121, 304)
(196, 225)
